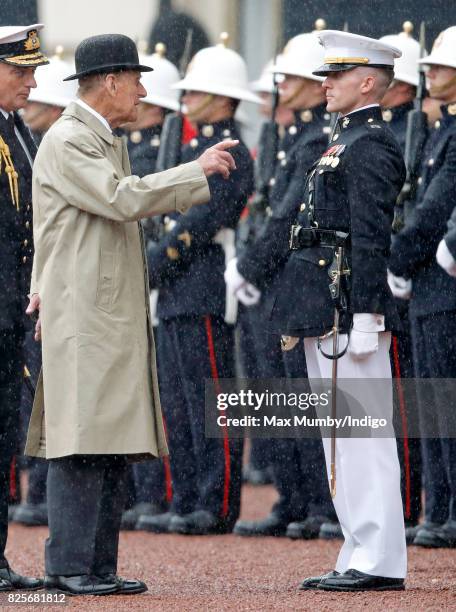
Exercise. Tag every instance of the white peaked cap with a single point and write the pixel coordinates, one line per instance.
(159, 83)
(51, 88)
(301, 56)
(444, 50)
(220, 71)
(343, 50)
(405, 67)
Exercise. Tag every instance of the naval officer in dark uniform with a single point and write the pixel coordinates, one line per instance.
(19, 56)
(352, 189)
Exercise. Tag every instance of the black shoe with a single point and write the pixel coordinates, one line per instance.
(353, 580)
(310, 584)
(130, 517)
(126, 586)
(11, 510)
(200, 522)
(331, 531)
(411, 532)
(32, 515)
(158, 523)
(432, 535)
(10, 581)
(80, 585)
(272, 525)
(308, 529)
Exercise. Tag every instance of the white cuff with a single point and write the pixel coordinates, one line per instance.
(445, 259)
(366, 322)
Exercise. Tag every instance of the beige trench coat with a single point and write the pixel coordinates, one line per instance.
(98, 391)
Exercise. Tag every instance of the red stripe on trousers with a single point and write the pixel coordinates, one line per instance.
(13, 487)
(167, 468)
(226, 442)
(402, 410)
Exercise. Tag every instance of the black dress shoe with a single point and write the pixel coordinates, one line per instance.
(130, 517)
(159, 523)
(410, 533)
(331, 531)
(126, 586)
(308, 529)
(80, 585)
(272, 525)
(353, 580)
(200, 522)
(31, 515)
(432, 535)
(257, 477)
(10, 581)
(310, 584)
(11, 510)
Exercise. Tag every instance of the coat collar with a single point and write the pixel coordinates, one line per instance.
(83, 115)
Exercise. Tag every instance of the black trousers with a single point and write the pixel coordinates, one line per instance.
(86, 497)
(11, 364)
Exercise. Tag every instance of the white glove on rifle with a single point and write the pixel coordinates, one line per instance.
(364, 335)
(400, 287)
(233, 279)
(248, 295)
(445, 259)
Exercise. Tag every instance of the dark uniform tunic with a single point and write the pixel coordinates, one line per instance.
(433, 306)
(16, 254)
(195, 342)
(345, 192)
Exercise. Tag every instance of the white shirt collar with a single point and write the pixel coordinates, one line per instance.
(94, 113)
(361, 108)
(4, 113)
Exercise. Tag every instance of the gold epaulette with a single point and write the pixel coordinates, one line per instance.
(5, 156)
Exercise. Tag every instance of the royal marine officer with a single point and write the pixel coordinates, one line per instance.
(20, 55)
(45, 104)
(148, 480)
(304, 502)
(397, 103)
(196, 316)
(350, 196)
(433, 295)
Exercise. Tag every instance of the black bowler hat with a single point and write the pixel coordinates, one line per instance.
(106, 53)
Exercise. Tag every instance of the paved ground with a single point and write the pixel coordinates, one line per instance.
(228, 573)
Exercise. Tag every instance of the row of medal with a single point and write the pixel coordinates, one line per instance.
(331, 157)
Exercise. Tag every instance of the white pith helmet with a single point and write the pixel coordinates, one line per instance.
(158, 83)
(302, 54)
(51, 88)
(443, 51)
(265, 84)
(219, 71)
(406, 66)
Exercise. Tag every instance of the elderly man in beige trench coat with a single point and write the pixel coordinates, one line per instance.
(97, 401)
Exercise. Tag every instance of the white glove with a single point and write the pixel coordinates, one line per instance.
(248, 295)
(445, 259)
(233, 279)
(400, 287)
(364, 335)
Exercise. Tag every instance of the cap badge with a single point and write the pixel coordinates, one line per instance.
(32, 42)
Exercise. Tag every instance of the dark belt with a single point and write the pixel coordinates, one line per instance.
(305, 237)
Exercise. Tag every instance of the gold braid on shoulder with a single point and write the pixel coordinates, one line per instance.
(5, 156)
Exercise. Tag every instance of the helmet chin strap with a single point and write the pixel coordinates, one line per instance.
(207, 100)
(437, 90)
(294, 95)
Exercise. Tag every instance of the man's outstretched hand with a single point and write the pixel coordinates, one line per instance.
(33, 310)
(217, 160)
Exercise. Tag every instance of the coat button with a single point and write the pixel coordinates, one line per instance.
(302, 207)
(27, 224)
(24, 260)
(430, 162)
(272, 182)
(420, 180)
(28, 206)
(25, 243)
(281, 155)
(322, 262)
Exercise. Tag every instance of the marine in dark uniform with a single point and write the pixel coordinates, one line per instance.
(350, 196)
(299, 476)
(433, 300)
(196, 317)
(19, 55)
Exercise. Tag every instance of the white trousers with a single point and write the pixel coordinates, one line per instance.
(368, 495)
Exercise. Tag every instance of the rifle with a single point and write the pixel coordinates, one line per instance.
(169, 153)
(415, 139)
